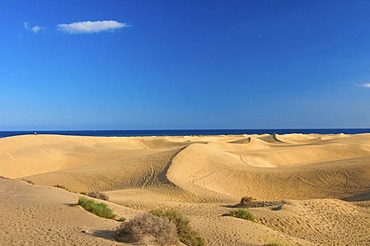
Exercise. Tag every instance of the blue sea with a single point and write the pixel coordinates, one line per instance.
(126, 133)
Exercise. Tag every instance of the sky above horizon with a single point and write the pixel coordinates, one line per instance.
(135, 64)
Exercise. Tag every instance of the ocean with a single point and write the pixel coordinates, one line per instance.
(131, 133)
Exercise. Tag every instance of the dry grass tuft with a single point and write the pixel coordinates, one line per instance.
(145, 226)
(98, 195)
(29, 181)
(246, 200)
(62, 187)
(121, 219)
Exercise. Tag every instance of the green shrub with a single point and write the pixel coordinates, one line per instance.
(185, 233)
(99, 209)
(242, 214)
(144, 225)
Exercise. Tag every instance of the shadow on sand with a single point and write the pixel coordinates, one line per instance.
(106, 234)
(358, 197)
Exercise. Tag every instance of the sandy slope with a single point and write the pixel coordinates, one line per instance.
(201, 176)
(36, 215)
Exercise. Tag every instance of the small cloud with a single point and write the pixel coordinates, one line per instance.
(34, 29)
(367, 85)
(91, 26)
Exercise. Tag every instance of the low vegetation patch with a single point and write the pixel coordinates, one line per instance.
(3, 177)
(145, 226)
(275, 243)
(29, 181)
(242, 214)
(186, 234)
(246, 200)
(61, 187)
(99, 209)
(98, 195)
(121, 219)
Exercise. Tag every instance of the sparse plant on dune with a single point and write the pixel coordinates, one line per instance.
(246, 200)
(121, 219)
(99, 209)
(186, 234)
(29, 181)
(98, 195)
(145, 226)
(61, 187)
(242, 214)
(3, 177)
(275, 243)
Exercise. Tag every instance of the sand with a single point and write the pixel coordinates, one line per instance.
(323, 181)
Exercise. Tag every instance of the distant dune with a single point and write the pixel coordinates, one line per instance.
(199, 175)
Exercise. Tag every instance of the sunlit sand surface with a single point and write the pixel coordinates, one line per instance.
(324, 181)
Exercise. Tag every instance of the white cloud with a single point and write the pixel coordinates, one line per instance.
(90, 26)
(34, 29)
(366, 85)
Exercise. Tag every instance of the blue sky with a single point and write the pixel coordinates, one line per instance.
(136, 64)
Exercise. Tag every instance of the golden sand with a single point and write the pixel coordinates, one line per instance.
(324, 181)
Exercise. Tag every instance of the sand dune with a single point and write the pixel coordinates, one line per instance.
(29, 155)
(270, 138)
(310, 219)
(297, 138)
(241, 145)
(198, 175)
(210, 172)
(242, 140)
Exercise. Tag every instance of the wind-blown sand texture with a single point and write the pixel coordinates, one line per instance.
(324, 181)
